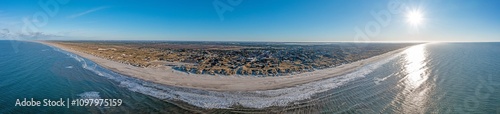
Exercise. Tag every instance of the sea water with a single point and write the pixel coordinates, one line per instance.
(426, 78)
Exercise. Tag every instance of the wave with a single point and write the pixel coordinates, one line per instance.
(89, 95)
(378, 80)
(226, 100)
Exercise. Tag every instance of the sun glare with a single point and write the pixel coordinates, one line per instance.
(415, 17)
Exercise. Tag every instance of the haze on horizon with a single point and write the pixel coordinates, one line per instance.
(251, 20)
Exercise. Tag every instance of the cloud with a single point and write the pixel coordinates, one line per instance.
(87, 12)
(38, 35)
(4, 32)
(7, 34)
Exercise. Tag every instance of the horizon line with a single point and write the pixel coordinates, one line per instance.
(272, 41)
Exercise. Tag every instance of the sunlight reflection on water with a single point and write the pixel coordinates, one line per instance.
(415, 94)
(416, 65)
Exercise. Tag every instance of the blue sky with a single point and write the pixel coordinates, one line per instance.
(250, 20)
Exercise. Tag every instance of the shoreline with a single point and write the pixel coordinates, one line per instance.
(165, 75)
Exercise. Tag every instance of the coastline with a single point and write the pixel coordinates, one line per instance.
(167, 76)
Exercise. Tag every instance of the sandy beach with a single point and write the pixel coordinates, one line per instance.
(167, 76)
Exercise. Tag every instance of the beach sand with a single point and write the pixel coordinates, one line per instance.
(167, 76)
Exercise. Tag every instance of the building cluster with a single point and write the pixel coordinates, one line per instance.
(255, 59)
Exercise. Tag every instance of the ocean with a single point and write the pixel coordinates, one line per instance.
(426, 78)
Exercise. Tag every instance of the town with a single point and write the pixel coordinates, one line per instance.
(233, 58)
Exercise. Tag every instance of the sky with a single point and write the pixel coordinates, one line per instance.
(251, 20)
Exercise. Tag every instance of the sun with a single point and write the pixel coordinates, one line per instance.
(415, 17)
